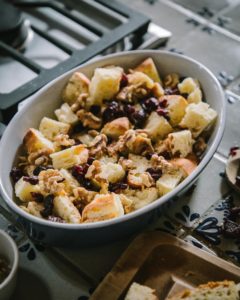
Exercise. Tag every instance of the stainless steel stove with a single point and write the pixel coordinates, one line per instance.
(40, 40)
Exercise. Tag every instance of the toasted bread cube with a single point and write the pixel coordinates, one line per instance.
(148, 67)
(188, 85)
(112, 172)
(140, 163)
(103, 207)
(140, 292)
(77, 84)
(167, 182)
(180, 142)
(157, 126)
(51, 128)
(35, 208)
(35, 141)
(67, 158)
(116, 127)
(141, 198)
(65, 114)
(198, 117)
(186, 164)
(24, 190)
(64, 208)
(105, 84)
(176, 107)
(195, 96)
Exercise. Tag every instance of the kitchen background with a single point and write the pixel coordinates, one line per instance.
(208, 31)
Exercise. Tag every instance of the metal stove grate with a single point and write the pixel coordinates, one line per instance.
(130, 23)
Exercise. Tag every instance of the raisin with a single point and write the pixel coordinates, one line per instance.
(117, 187)
(48, 206)
(38, 197)
(31, 179)
(124, 81)
(139, 118)
(16, 174)
(155, 173)
(113, 111)
(95, 109)
(150, 104)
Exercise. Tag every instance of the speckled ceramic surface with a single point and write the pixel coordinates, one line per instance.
(205, 30)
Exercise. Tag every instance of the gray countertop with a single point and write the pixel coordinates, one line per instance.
(208, 31)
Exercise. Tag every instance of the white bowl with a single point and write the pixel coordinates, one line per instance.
(8, 250)
(47, 99)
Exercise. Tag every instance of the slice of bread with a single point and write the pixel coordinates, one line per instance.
(140, 292)
(219, 290)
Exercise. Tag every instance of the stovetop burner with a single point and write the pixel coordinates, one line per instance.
(42, 39)
(14, 29)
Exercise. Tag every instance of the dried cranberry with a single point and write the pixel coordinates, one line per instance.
(78, 173)
(95, 109)
(231, 229)
(124, 81)
(171, 91)
(185, 95)
(55, 219)
(163, 112)
(31, 179)
(90, 160)
(16, 174)
(117, 187)
(78, 128)
(128, 109)
(155, 173)
(113, 111)
(38, 197)
(85, 168)
(150, 104)
(48, 206)
(233, 151)
(139, 118)
(163, 103)
(38, 169)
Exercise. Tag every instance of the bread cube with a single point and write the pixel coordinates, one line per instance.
(157, 126)
(69, 157)
(64, 208)
(112, 172)
(65, 114)
(167, 182)
(188, 85)
(104, 84)
(139, 180)
(176, 107)
(140, 292)
(35, 208)
(24, 190)
(77, 84)
(195, 96)
(116, 127)
(35, 141)
(180, 143)
(103, 207)
(198, 117)
(140, 163)
(187, 165)
(51, 128)
(148, 67)
(141, 198)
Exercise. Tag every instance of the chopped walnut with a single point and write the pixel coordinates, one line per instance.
(80, 102)
(82, 197)
(127, 164)
(140, 180)
(171, 80)
(63, 140)
(51, 181)
(39, 157)
(98, 146)
(127, 204)
(88, 119)
(159, 162)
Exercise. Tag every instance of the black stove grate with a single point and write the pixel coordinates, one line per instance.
(135, 23)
